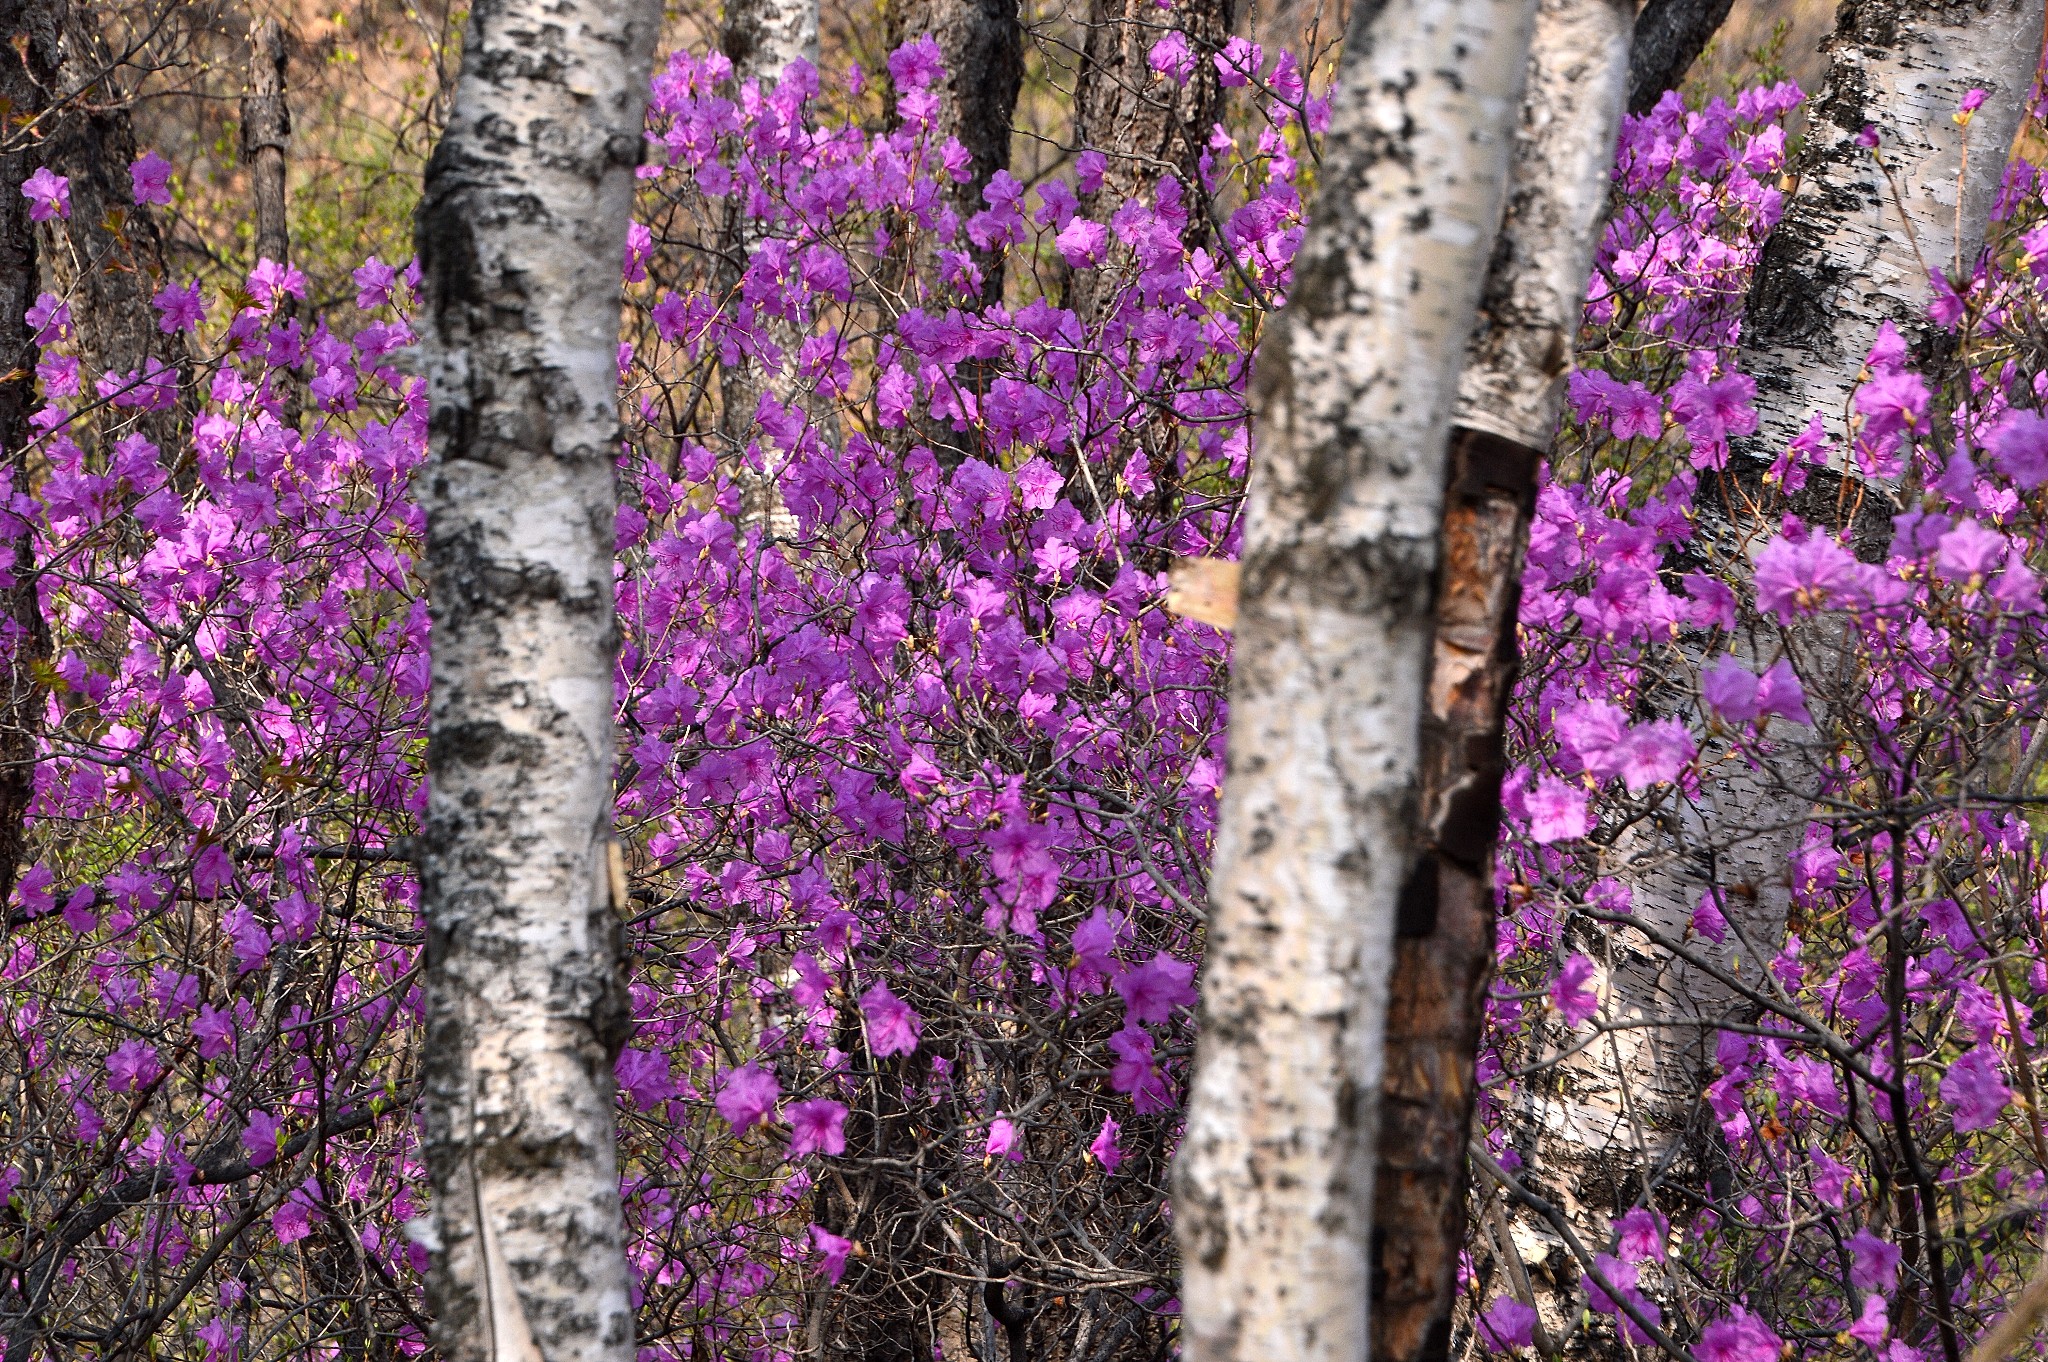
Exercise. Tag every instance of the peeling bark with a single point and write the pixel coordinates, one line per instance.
(520, 234)
(1508, 400)
(1317, 835)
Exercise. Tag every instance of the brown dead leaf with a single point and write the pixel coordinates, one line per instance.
(1204, 589)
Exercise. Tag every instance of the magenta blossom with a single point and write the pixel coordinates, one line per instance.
(747, 1097)
(48, 193)
(816, 1127)
(150, 178)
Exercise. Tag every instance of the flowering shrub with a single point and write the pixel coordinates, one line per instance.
(1770, 835)
(918, 775)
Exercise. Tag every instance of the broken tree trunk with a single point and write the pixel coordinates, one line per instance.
(520, 232)
(1354, 395)
(1508, 400)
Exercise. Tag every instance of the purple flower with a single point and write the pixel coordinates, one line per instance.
(1507, 1324)
(1171, 58)
(1799, 578)
(2020, 445)
(1742, 1337)
(816, 1127)
(1779, 692)
(917, 64)
(1640, 1235)
(1104, 1147)
(260, 1138)
(747, 1097)
(1873, 1262)
(1002, 1141)
(1872, 1325)
(644, 1077)
(1151, 991)
(1708, 920)
(134, 1064)
(1557, 811)
(893, 1025)
(1975, 1089)
(374, 281)
(48, 193)
(1729, 689)
(270, 283)
(1890, 404)
(1083, 242)
(51, 317)
(1655, 753)
(1570, 993)
(1968, 553)
(216, 1030)
(150, 179)
(1239, 61)
(182, 308)
(1972, 102)
(835, 1249)
(1137, 1073)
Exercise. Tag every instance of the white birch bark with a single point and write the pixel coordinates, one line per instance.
(1843, 261)
(762, 37)
(520, 235)
(1355, 390)
(1508, 399)
(1513, 381)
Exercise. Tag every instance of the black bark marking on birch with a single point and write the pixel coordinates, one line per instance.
(1669, 37)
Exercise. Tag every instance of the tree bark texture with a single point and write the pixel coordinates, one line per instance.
(1617, 1115)
(1843, 260)
(1669, 37)
(24, 639)
(521, 230)
(982, 43)
(1318, 832)
(1508, 400)
(107, 258)
(1145, 123)
(267, 139)
(762, 37)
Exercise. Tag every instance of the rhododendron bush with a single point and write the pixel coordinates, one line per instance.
(918, 772)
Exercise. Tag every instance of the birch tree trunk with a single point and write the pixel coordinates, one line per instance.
(1617, 1114)
(1842, 262)
(1508, 400)
(1354, 393)
(520, 235)
(762, 37)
